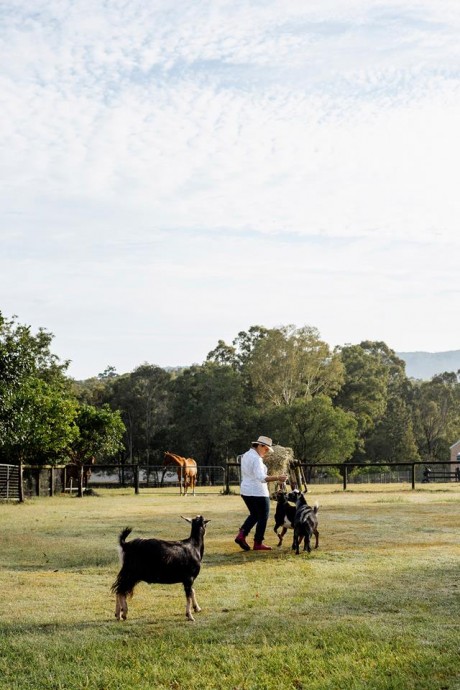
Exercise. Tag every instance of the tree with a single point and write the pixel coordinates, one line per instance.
(238, 354)
(436, 411)
(377, 392)
(317, 431)
(393, 438)
(98, 433)
(208, 413)
(143, 398)
(36, 404)
(291, 363)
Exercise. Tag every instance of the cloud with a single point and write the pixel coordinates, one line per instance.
(157, 155)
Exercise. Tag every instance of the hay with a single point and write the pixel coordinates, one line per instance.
(278, 461)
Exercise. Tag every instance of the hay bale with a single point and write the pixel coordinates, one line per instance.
(278, 461)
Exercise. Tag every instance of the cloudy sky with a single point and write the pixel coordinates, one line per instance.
(176, 171)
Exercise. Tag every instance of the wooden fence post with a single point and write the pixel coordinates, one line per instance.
(20, 483)
(52, 481)
(136, 479)
(345, 477)
(413, 475)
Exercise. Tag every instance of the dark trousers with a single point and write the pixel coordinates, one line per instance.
(259, 510)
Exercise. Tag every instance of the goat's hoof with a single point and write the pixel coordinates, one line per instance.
(190, 618)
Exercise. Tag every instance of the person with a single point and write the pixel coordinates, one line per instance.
(254, 492)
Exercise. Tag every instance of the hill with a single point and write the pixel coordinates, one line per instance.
(425, 365)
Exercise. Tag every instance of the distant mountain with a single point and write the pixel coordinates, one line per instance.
(425, 365)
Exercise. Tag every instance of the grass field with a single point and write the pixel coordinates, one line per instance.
(376, 607)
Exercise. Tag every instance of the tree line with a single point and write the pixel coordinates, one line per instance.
(352, 403)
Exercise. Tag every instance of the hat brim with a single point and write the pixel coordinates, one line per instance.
(259, 443)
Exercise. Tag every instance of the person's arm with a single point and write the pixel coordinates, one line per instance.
(276, 478)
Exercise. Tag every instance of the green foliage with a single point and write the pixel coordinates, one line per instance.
(143, 398)
(208, 413)
(292, 363)
(36, 405)
(436, 410)
(317, 431)
(99, 432)
(285, 382)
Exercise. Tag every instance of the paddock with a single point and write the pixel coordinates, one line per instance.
(376, 606)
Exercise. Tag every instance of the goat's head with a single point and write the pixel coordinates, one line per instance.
(197, 522)
(301, 500)
(280, 496)
(293, 495)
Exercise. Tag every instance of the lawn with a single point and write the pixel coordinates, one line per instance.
(375, 607)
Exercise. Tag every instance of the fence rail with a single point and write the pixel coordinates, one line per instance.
(16, 482)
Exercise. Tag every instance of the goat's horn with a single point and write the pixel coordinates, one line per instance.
(184, 518)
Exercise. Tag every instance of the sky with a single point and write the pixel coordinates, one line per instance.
(174, 172)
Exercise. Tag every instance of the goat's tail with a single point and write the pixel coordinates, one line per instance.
(122, 538)
(316, 507)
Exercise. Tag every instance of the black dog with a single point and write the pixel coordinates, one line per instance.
(305, 524)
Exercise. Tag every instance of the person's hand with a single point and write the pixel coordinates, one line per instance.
(282, 478)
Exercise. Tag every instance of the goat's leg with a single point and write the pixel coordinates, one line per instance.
(306, 546)
(190, 598)
(280, 536)
(316, 533)
(295, 544)
(117, 608)
(196, 606)
(121, 608)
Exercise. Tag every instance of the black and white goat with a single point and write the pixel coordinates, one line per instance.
(285, 512)
(165, 562)
(305, 524)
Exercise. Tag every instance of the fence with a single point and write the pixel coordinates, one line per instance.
(9, 482)
(376, 473)
(153, 477)
(17, 483)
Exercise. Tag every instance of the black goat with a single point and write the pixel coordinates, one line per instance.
(285, 512)
(165, 562)
(305, 524)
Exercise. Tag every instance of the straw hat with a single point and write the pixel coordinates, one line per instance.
(264, 441)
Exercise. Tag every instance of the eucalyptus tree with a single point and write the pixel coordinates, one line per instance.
(239, 352)
(436, 410)
(209, 420)
(378, 392)
(317, 431)
(291, 363)
(143, 398)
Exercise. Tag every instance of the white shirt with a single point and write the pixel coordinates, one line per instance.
(253, 473)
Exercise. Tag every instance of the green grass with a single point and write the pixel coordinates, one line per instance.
(376, 607)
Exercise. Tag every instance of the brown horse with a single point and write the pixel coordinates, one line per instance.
(186, 471)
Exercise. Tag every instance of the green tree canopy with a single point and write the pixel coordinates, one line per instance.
(317, 431)
(99, 433)
(291, 363)
(37, 408)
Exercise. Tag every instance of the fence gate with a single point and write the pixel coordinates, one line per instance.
(9, 482)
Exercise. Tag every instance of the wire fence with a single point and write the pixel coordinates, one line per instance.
(18, 482)
(154, 478)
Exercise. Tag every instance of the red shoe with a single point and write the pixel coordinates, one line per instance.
(259, 546)
(240, 539)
